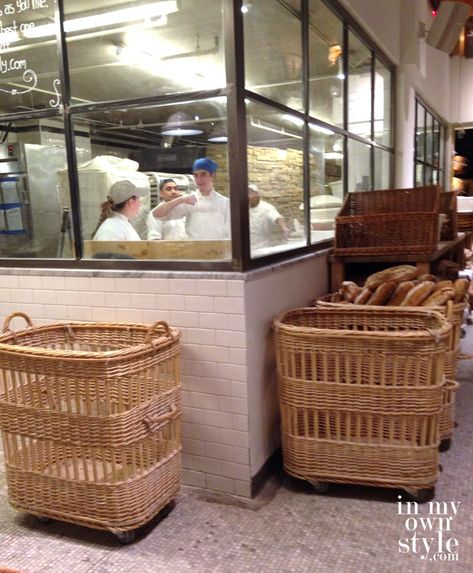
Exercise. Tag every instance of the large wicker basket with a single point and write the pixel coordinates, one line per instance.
(90, 420)
(392, 221)
(360, 392)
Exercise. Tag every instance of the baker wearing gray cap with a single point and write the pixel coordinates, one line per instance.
(123, 203)
(207, 212)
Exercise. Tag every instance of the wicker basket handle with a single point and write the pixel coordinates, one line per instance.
(156, 423)
(10, 317)
(160, 325)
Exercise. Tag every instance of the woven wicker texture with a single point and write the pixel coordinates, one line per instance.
(465, 222)
(360, 388)
(388, 221)
(90, 418)
(447, 413)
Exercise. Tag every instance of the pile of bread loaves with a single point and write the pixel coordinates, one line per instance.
(402, 286)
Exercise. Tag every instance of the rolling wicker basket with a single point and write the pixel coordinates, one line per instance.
(360, 393)
(447, 413)
(390, 221)
(89, 414)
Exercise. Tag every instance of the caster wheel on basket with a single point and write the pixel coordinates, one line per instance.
(125, 537)
(319, 486)
(42, 518)
(421, 495)
(445, 445)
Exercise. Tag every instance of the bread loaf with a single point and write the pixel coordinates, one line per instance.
(336, 297)
(364, 296)
(400, 293)
(396, 274)
(417, 295)
(382, 293)
(439, 297)
(443, 284)
(349, 290)
(427, 277)
(461, 288)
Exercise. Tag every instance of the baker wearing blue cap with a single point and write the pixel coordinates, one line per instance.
(207, 212)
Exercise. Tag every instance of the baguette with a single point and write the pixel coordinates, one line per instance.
(439, 297)
(336, 297)
(427, 277)
(382, 293)
(443, 284)
(364, 296)
(400, 293)
(349, 291)
(396, 274)
(461, 288)
(418, 294)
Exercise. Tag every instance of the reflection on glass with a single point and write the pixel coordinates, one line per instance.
(420, 132)
(33, 219)
(382, 169)
(138, 145)
(119, 51)
(325, 64)
(29, 67)
(273, 51)
(429, 138)
(419, 175)
(326, 182)
(359, 178)
(382, 104)
(359, 87)
(275, 166)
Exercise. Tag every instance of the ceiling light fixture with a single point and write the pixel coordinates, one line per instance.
(218, 134)
(180, 124)
(153, 10)
(259, 124)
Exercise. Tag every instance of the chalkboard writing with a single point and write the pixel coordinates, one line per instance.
(14, 27)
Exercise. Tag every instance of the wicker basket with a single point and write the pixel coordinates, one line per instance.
(90, 420)
(393, 221)
(360, 392)
(453, 311)
(447, 413)
(465, 222)
(448, 205)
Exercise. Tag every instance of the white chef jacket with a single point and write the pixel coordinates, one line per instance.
(208, 219)
(116, 228)
(263, 219)
(174, 230)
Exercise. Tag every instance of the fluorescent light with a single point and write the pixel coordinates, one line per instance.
(320, 129)
(107, 19)
(258, 123)
(333, 155)
(295, 120)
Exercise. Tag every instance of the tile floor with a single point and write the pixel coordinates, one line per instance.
(287, 529)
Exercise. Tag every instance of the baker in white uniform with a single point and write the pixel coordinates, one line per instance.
(174, 230)
(207, 213)
(123, 203)
(266, 223)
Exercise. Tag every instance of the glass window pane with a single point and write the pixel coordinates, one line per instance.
(326, 182)
(382, 169)
(123, 50)
(146, 146)
(420, 132)
(359, 87)
(419, 182)
(275, 166)
(429, 138)
(29, 69)
(273, 51)
(32, 197)
(325, 64)
(382, 104)
(359, 178)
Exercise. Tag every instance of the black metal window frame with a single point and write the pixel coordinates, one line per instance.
(235, 93)
(440, 168)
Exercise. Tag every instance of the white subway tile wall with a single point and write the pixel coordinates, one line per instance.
(213, 353)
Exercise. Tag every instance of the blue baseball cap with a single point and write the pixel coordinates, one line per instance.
(206, 164)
